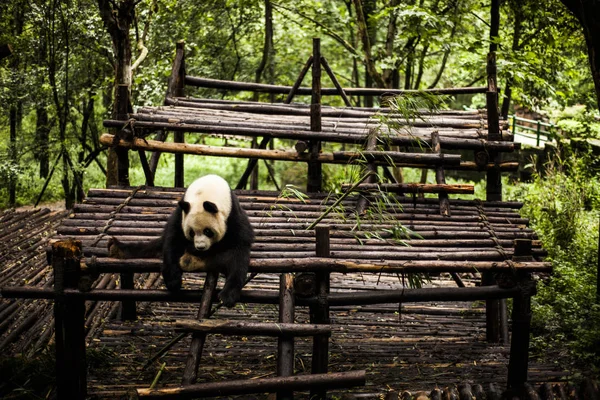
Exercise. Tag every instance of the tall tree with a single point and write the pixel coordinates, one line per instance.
(118, 17)
(588, 14)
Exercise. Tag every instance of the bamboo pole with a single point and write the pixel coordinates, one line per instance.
(263, 385)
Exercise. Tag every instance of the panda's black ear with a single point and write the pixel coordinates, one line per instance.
(185, 206)
(211, 207)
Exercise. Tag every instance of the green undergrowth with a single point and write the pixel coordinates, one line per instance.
(563, 207)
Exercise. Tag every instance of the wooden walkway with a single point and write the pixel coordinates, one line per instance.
(415, 347)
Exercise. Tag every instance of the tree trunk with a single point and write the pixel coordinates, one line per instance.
(517, 10)
(367, 32)
(588, 14)
(42, 135)
(118, 23)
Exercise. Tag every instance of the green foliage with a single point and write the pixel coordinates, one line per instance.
(578, 122)
(563, 207)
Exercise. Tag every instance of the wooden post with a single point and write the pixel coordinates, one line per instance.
(521, 320)
(198, 339)
(254, 175)
(177, 89)
(128, 310)
(314, 167)
(285, 345)
(69, 322)
(319, 313)
(362, 203)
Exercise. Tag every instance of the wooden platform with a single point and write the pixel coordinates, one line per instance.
(413, 347)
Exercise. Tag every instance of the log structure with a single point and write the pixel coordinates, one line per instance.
(318, 235)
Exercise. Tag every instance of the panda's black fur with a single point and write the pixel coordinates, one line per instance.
(229, 256)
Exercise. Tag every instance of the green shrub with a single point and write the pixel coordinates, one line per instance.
(563, 209)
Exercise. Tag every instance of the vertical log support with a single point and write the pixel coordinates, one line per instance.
(285, 345)
(362, 203)
(521, 319)
(123, 107)
(198, 339)
(494, 183)
(314, 167)
(128, 310)
(69, 321)
(319, 313)
(176, 89)
(439, 175)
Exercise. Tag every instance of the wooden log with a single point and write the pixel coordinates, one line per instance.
(478, 392)
(246, 328)
(69, 326)
(337, 157)
(176, 84)
(277, 89)
(315, 170)
(299, 80)
(272, 297)
(285, 345)
(451, 139)
(371, 170)
(128, 310)
(414, 188)
(343, 265)
(439, 176)
(264, 385)
(336, 83)
(319, 312)
(518, 364)
(190, 372)
(457, 128)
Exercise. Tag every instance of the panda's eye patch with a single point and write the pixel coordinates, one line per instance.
(209, 233)
(192, 233)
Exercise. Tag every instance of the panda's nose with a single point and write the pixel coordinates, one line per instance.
(200, 247)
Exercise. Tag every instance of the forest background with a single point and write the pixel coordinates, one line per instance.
(57, 86)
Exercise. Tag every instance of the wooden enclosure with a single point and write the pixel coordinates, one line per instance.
(307, 239)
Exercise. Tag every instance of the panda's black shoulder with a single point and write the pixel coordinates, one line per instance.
(239, 229)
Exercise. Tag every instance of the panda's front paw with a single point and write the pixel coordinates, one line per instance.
(229, 297)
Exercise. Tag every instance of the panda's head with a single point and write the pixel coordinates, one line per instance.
(205, 209)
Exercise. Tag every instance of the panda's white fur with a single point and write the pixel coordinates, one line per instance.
(200, 225)
(208, 229)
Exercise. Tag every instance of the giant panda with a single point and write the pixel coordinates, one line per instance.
(207, 229)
